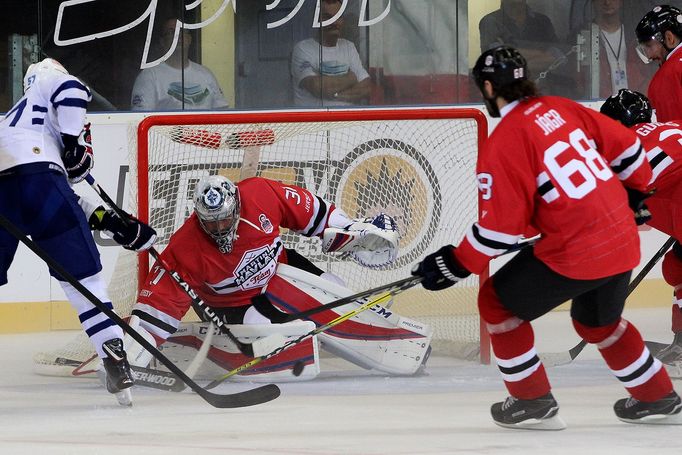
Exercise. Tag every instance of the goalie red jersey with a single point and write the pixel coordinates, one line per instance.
(556, 167)
(231, 279)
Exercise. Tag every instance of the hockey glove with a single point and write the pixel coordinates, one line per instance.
(131, 234)
(371, 242)
(636, 202)
(78, 157)
(440, 269)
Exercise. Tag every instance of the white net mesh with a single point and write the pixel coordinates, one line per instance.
(420, 171)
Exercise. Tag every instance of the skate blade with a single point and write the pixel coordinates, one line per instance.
(554, 423)
(658, 419)
(124, 397)
(674, 369)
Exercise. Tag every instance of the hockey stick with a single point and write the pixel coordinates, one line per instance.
(263, 305)
(562, 358)
(249, 349)
(298, 367)
(247, 398)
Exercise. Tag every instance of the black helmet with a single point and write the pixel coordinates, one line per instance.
(628, 107)
(501, 66)
(657, 21)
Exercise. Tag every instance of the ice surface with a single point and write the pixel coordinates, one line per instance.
(344, 411)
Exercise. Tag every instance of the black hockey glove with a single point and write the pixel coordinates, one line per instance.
(131, 234)
(636, 202)
(440, 269)
(78, 157)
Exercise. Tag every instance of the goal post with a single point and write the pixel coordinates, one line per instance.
(415, 164)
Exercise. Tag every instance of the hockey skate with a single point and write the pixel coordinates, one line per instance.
(116, 375)
(537, 414)
(665, 411)
(671, 353)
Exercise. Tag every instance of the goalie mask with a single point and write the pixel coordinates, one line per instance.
(216, 203)
(628, 107)
(44, 68)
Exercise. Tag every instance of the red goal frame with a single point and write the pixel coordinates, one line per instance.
(256, 117)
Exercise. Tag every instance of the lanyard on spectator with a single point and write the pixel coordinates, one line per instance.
(620, 43)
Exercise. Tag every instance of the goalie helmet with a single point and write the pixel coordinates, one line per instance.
(628, 107)
(216, 203)
(46, 67)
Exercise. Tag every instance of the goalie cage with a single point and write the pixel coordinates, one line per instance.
(417, 165)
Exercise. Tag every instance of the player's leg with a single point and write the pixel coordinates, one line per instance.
(597, 319)
(377, 339)
(58, 225)
(521, 291)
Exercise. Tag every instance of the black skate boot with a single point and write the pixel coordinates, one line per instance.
(665, 411)
(671, 353)
(118, 378)
(538, 414)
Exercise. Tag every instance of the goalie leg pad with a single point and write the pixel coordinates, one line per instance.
(225, 354)
(378, 338)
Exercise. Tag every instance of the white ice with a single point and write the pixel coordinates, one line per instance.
(344, 411)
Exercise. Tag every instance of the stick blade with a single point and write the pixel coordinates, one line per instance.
(252, 397)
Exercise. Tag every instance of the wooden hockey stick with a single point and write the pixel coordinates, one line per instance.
(197, 303)
(298, 368)
(562, 358)
(251, 397)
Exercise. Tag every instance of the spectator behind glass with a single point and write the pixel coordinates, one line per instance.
(327, 70)
(177, 83)
(533, 34)
(619, 66)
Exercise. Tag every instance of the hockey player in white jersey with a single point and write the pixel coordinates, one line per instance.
(44, 147)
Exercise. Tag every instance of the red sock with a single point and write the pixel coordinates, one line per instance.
(632, 363)
(522, 372)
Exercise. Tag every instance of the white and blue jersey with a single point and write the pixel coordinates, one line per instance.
(54, 104)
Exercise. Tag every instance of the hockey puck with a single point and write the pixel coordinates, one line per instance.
(298, 368)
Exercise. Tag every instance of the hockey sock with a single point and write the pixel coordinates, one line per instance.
(623, 349)
(672, 272)
(515, 355)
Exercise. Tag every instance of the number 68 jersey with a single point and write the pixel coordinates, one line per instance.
(557, 168)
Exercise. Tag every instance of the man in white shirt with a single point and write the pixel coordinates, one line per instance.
(177, 83)
(328, 71)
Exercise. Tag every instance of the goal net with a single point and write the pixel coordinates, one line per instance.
(417, 165)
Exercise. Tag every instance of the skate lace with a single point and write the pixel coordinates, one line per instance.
(508, 403)
(630, 402)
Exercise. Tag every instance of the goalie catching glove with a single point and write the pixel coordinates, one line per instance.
(78, 157)
(131, 234)
(440, 270)
(372, 242)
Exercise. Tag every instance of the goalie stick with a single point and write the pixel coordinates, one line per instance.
(298, 367)
(249, 349)
(562, 358)
(250, 397)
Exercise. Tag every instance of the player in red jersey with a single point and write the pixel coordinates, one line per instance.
(660, 37)
(558, 168)
(663, 142)
(230, 250)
